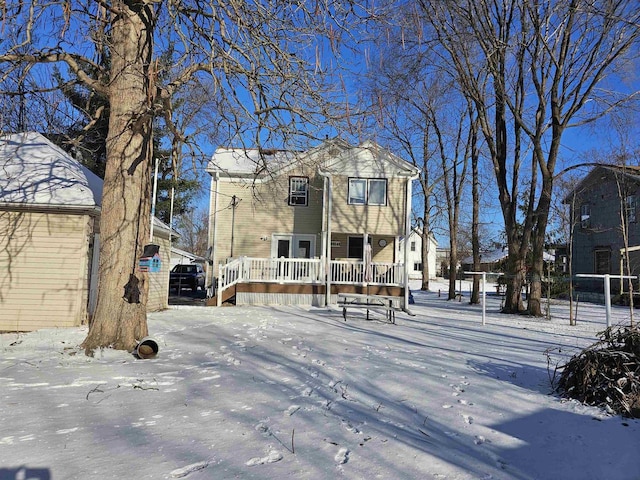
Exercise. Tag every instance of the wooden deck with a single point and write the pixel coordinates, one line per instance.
(279, 280)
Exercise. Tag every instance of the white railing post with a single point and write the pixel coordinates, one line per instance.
(219, 286)
(607, 298)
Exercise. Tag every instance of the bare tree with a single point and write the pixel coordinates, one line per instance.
(192, 226)
(533, 70)
(260, 60)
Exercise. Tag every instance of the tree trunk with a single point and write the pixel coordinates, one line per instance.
(453, 267)
(426, 246)
(120, 316)
(426, 243)
(475, 215)
(534, 305)
(516, 268)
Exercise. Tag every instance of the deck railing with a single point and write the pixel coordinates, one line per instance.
(357, 272)
(305, 270)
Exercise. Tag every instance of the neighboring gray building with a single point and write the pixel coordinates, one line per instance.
(601, 204)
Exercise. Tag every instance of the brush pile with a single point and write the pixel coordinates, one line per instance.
(607, 374)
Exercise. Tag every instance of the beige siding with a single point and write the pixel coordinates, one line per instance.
(379, 254)
(372, 219)
(44, 270)
(159, 281)
(262, 211)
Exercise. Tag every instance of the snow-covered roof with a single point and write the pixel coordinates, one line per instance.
(502, 253)
(34, 171)
(252, 161)
(334, 156)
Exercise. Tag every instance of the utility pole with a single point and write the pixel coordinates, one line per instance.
(234, 203)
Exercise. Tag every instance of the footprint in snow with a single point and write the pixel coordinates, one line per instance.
(292, 409)
(194, 467)
(468, 419)
(263, 429)
(272, 457)
(342, 456)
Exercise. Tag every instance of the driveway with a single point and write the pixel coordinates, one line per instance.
(187, 297)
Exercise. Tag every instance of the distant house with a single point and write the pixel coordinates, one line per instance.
(415, 254)
(604, 201)
(182, 257)
(442, 261)
(49, 237)
(309, 224)
(490, 261)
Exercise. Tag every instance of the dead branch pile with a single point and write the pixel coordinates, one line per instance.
(607, 374)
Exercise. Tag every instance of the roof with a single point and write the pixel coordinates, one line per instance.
(498, 254)
(34, 171)
(252, 161)
(629, 171)
(333, 156)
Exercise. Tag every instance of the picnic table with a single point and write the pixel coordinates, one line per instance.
(369, 302)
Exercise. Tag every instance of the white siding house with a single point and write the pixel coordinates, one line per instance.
(414, 255)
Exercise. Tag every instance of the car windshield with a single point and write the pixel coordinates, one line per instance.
(185, 269)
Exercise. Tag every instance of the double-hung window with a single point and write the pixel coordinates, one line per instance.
(299, 191)
(367, 191)
(630, 208)
(585, 215)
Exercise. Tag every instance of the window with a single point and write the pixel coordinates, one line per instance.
(299, 191)
(363, 191)
(355, 247)
(413, 246)
(377, 192)
(602, 259)
(417, 267)
(585, 215)
(630, 208)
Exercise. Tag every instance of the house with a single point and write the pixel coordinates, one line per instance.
(181, 257)
(442, 261)
(415, 254)
(602, 203)
(49, 237)
(490, 260)
(309, 224)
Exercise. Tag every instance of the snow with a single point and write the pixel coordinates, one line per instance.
(34, 171)
(298, 393)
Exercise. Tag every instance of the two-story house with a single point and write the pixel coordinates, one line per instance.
(604, 209)
(306, 225)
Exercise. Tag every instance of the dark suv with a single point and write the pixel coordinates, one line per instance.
(187, 276)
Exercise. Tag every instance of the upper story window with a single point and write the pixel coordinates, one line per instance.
(630, 208)
(413, 246)
(367, 191)
(585, 215)
(299, 191)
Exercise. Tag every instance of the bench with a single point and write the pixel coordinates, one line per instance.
(368, 302)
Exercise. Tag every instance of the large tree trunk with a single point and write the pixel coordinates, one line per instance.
(516, 268)
(120, 317)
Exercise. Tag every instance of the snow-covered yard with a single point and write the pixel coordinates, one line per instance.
(298, 393)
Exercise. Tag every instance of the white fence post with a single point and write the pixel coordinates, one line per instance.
(607, 298)
(607, 289)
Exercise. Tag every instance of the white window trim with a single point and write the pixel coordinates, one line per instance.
(294, 193)
(367, 190)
